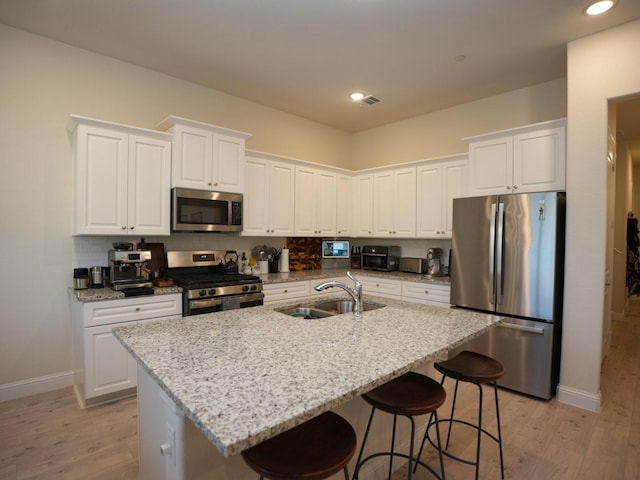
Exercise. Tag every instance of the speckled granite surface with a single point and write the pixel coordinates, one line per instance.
(335, 272)
(100, 294)
(243, 376)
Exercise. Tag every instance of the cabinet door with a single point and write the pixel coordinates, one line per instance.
(454, 185)
(305, 202)
(256, 198)
(362, 205)
(343, 205)
(539, 161)
(429, 201)
(404, 205)
(325, 203)
(281, 199)
(100, 181)
(149, 186)
(383, 204)
(491, 166)
(228, 163)
(109, 367)
(192, 158)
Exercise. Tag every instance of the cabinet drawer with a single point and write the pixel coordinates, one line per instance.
(425, 293)
(285, 291)
(383, 287)
(125, 310)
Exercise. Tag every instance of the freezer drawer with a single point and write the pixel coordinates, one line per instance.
(526, 349)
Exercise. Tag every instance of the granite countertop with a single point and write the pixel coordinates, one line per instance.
(243, 376)
(101, 294)
(338, 272)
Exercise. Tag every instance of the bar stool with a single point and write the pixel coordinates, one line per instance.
(314, 450)
(477, 369)
(409, 395)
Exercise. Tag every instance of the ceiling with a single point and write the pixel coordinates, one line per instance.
(306, 56)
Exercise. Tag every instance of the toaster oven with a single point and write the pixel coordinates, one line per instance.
(381, 258)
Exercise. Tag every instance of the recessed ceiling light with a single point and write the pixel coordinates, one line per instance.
(356, 96)
(597, 8)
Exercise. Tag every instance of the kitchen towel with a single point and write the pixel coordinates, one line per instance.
(284, 260)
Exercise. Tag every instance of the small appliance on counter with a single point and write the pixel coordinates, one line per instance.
(381, 258)
(97, 276)
(126, 271)
(413, 265)
(434, 262)
(80, 278)
(356, 258)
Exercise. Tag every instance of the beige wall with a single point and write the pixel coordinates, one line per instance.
(599, 70)
(41, 83)
(440, 133)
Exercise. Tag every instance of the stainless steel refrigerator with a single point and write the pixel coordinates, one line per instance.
(507, 257)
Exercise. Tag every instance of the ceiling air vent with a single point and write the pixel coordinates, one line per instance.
(370, 100)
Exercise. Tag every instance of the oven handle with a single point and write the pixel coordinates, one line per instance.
(206, 303)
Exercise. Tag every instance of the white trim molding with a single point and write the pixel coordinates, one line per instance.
(578, 398)
(32, 386)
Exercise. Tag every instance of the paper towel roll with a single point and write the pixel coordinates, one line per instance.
(284, 260)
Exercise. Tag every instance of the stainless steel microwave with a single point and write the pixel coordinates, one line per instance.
(204, 211)
(384, 259)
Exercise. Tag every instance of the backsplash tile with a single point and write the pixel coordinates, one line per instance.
(305, 253)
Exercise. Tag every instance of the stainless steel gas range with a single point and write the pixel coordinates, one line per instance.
(209, 284)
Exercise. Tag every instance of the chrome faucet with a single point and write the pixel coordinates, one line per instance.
(356, 292)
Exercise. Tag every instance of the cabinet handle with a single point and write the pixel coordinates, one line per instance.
(137, 309)
(132, 228)
(124, 227)
(426, 291)
(209, 183)
(508, 187)
(515, 187)
(215, 184)
(286, 291)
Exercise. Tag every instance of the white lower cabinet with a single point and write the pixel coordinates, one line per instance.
(276, 292)
(381, 287)
(103, 368)
(426, 293)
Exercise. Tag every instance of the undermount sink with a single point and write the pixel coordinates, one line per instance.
(305, 312)
(326, 309)
(345, 306)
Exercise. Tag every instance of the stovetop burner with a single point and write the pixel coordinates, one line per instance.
(211, 279)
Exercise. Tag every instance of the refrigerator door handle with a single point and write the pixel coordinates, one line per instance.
(492, 249)
(522, 328)
(499, 253)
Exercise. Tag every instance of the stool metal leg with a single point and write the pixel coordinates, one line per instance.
(479, 432)
(453, 407)
(495, 389)
(364, 441)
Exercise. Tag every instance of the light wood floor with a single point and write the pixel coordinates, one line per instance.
(48, 437)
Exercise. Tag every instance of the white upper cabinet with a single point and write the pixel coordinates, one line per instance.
(394, 203)
(362, 205)
(315, 202)
(269, 197)
(343, 205)
(121, 179)
(439, 182)
(206, 157)
(519, 160)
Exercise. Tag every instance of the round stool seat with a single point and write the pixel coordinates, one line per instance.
(471, 367)
(411, 394)
(314, 450)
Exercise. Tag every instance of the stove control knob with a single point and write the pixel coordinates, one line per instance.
(212, 291)
(202, 293)
(245, 288)
(253, 288)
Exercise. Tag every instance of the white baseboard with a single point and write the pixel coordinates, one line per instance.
(32, 386)
(578, 398)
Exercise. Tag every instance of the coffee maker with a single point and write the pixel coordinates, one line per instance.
(433, 261)
(127, 268)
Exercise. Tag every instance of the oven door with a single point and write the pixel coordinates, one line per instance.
(375, 261)
(217, 304)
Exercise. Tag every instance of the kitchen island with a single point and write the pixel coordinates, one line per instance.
(243, 376)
